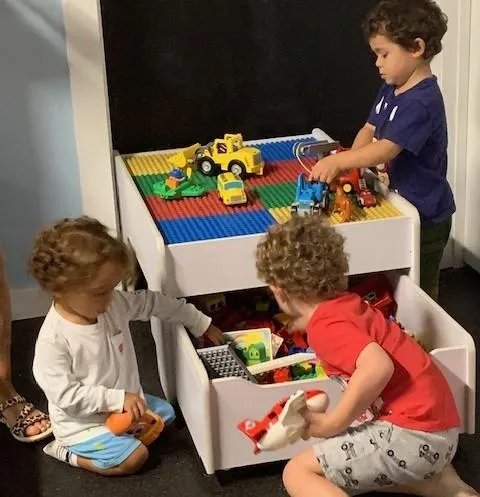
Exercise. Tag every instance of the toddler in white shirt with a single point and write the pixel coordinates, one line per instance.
(85, 360)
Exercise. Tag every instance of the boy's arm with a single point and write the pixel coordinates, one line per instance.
(364, 136)
(142, 305)
(379, 152)
(374, 368)
(53, 372)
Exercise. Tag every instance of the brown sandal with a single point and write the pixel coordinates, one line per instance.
(27, 417)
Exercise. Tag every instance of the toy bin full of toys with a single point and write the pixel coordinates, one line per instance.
(251, 389)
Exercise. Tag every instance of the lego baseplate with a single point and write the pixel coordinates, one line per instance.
(205, 218)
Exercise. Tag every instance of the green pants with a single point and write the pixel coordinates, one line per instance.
(433, 239)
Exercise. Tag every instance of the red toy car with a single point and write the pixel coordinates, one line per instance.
(377, 291)
(366, 198)
(354, 183)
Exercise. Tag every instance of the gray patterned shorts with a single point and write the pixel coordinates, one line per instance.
(378, 454)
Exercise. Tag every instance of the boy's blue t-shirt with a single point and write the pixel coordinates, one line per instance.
(416, 121)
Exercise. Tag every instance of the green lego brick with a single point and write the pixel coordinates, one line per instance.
(145, 182)
(209, 183)
(274, 196)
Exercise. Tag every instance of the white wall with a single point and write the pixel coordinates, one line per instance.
(91, 109)
(451, 68)
(39, 178)
(472, 197)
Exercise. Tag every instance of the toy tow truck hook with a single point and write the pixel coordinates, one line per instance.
(316, 148)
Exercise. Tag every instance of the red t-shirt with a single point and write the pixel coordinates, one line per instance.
(417, 396)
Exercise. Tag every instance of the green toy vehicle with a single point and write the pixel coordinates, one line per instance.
(177, 185)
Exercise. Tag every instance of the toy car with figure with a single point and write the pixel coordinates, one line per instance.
(177, 184)
(310, 197)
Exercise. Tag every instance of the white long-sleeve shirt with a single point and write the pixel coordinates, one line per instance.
(85, 370)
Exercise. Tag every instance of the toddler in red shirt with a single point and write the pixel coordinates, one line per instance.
(396, 426)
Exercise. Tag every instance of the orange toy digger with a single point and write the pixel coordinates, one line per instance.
(147, 429)
(342, 204)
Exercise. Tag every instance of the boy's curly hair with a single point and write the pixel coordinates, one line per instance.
(69, 254)
(402, 21)
(305, 258)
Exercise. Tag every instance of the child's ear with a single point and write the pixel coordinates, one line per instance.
(279, 294)
(419, 49)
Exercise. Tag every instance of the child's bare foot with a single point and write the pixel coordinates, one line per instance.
(452, 485)
(26, 423)
(445, 484)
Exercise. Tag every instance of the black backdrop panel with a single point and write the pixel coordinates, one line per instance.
(181, 71)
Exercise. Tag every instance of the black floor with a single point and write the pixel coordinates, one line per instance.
(173, 468)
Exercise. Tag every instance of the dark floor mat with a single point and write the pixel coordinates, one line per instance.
(174, 468)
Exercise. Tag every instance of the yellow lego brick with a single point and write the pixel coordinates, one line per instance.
(140, 165)
(382, 210)
(280, 214)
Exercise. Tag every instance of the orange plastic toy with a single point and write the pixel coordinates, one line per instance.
(342, 204)
(147, 429)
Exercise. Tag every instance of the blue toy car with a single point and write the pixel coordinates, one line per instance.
(310, 197)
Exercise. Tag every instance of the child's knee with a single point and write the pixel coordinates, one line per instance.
(289, 473)
(134, 461)
(296, 468)
(292, 472)
(168, 414)
(161, 407)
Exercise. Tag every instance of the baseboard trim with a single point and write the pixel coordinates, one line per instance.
(29, 303)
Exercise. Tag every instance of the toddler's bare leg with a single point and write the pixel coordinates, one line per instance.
(445, 484)
(303, 477)
(128, 467)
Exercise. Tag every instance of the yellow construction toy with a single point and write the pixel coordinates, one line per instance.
(223, 154)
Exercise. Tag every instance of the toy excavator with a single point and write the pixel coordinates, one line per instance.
(284, 424)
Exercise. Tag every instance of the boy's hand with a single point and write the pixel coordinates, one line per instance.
(326, 169)
(319, 425)
(214, 335)
(134, 405)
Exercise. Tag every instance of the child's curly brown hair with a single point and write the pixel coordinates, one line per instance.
(403, 21)
(68, 254)
(305, 258)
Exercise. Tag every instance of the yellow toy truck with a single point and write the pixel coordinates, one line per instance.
(230, 188)
(223, 154)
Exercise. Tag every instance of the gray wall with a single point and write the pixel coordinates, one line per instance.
(39, 178)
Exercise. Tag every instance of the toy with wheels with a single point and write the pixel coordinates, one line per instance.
(147, 429)
(284, 424)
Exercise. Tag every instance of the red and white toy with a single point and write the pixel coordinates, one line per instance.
(284, 424)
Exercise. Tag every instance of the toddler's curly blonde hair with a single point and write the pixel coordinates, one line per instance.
(305, 258)
(68, 254)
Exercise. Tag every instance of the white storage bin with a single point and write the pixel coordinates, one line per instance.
(212, 408)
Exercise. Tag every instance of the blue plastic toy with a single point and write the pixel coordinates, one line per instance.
(177, 173)
(310, 197)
